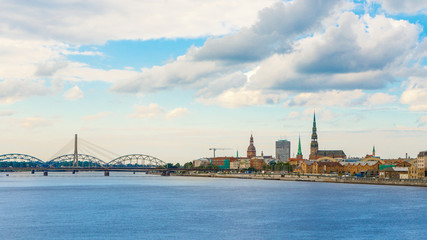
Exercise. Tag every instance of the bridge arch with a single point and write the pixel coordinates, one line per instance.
(20, 160)
(373, 159)
(326, 159)
(136, 160)
(66, 161)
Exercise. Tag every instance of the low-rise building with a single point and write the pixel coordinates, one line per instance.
(394, 173)
(413, 170)
(257, 163)
(240, 165)
(223, 162)
(327, 167)
(306, 166)
(201, 162)
(295, 161)
(244, 164)
(235, 165)
(370, 167)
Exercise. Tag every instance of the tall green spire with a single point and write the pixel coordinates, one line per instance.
(299, 146)
(314, 134)
(373, 151)
(314, 119)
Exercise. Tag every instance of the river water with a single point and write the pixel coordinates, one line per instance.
(140, 206)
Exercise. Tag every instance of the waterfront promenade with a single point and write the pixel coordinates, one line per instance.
(313, 178)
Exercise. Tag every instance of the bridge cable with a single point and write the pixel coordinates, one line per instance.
(101, 148)
(64, 150)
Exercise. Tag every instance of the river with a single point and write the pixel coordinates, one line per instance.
(140, 206)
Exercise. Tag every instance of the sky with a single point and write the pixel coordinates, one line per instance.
(172, 79)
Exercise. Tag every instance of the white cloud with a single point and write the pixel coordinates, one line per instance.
(399, 6)
(276, 26)
(15, 90)
(25, 59)
(323, 114)
(34, 42)
(326, 98)
(207, 68)
(350, 54)
(422, 120)
(34, 122)
(380, 99)
(81, 72)
(47, 69)
(96, 116)
(177, 112)
(94, 22)
(293, 115)
(241, 97)
(7, 113)
(73, 93)
(299, 46)
(339, 98)
(415, 94)
(182, 72)
(151, 111)
(344, 52)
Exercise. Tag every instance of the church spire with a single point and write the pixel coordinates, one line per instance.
(299, 154)
(314, 146)
(314, 119)
(373, 151)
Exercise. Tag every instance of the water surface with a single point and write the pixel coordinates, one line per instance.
(140, 206)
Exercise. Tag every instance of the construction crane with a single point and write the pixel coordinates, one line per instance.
(214, 150)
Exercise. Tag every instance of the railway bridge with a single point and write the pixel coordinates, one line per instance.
(82, 162)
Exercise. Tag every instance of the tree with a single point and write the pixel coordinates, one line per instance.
(188, 165)
(169, 165)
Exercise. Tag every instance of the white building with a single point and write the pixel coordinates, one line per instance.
(202, 162)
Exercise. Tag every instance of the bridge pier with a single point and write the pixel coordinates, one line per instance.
(32, 171)
(74, 171)
(106, 173)
(45, 173)
(166, 173)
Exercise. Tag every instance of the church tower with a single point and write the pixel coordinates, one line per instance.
(314, 146)
(251, 149)
(299, 155)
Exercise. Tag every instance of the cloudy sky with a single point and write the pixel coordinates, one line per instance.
(174, 78)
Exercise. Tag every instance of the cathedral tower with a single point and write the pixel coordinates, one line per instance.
(314, 146)
(251, 149)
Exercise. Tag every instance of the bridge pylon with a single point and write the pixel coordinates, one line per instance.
(76, 155)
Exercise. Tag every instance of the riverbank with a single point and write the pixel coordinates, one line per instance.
(328, 179)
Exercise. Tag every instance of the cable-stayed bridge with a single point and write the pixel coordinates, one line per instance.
(81, 155)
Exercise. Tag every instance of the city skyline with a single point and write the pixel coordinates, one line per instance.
(173, 80)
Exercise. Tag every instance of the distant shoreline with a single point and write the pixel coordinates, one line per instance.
(304, 178)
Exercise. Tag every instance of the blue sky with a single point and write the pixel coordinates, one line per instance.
(175, 79)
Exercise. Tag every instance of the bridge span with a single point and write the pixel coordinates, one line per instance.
(129, 163)
(66, 161)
